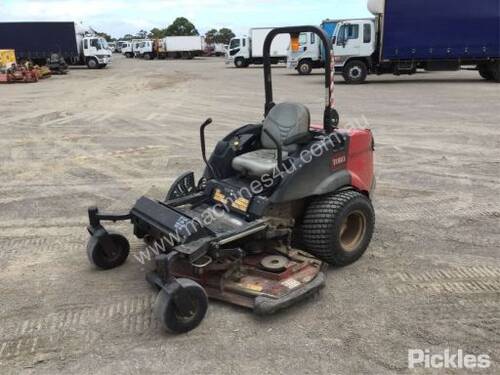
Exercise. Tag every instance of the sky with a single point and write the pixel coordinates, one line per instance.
(119, 17)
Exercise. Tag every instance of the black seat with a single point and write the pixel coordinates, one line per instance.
(286, 122)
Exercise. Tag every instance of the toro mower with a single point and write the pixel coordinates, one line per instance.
(278, 201)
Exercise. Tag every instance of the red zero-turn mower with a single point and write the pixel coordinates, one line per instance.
(277, 199)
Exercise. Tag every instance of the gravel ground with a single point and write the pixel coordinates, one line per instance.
(430, 279)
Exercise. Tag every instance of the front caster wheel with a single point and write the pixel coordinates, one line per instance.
(108, 258)
(195, 304)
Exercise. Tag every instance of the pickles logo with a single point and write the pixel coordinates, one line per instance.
(448, 360)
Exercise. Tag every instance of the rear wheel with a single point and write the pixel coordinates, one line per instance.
(304, 68)
(337, 228)
(166, 310)
(355, 72)
(485, 72)
(147, 56)
(495, 69)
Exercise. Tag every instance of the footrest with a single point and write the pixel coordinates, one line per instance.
(164, 219)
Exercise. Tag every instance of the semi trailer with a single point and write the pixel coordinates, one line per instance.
(246, 50)
(38, 41)
(185, 47)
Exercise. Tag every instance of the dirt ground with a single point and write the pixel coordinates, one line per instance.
(429, 280)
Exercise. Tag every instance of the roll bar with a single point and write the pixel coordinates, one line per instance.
(329, 123)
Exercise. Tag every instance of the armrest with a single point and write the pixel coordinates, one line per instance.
(278, 147)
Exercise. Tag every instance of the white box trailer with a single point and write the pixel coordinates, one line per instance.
(247, 50)
(184, 46)
(279, 47)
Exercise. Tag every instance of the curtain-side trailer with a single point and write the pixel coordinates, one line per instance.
(37, 41)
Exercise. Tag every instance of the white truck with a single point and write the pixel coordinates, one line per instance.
(246, 50)
(39, 41)
(185, 47)
(220, 49)
(131, 48)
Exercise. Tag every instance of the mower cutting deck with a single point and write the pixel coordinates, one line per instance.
(277, 202)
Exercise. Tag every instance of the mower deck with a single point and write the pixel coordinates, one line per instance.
(249, 283)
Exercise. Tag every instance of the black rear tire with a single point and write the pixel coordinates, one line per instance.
(167, 312)
(485, 72)
(337, 228)
(355, 72)
(495, 71)
(304, 68)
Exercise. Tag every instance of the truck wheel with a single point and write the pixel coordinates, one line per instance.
(240, 63)
(102, 259)
(495, 71)
(147, 56)
(355, 72)
(304, 68)
(485, 71)
(92, 63)
(337, 228)
(166, 310)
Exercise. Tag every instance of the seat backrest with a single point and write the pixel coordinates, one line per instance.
(284, 121)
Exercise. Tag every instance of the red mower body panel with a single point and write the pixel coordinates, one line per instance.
(360, 159)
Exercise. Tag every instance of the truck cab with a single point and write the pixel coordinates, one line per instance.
(238, 52)
(96, 52)
(354, 47)
(308, 56)
(126, 48)
(310, 53)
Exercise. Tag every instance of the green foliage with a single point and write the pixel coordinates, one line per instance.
(181, 27)
(210, 36)
(108, 37)
(223, 36)
(157, 33)
(143, 34)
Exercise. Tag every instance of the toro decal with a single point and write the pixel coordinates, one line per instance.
(338, 161)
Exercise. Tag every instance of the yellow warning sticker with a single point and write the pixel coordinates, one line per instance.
(254, 287)
(291, 283)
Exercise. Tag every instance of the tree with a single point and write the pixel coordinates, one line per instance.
(181, 27)
(143, 34)
(108, 37)
(224, 36)
(157, 33)
(210, 36)
(127, 37)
